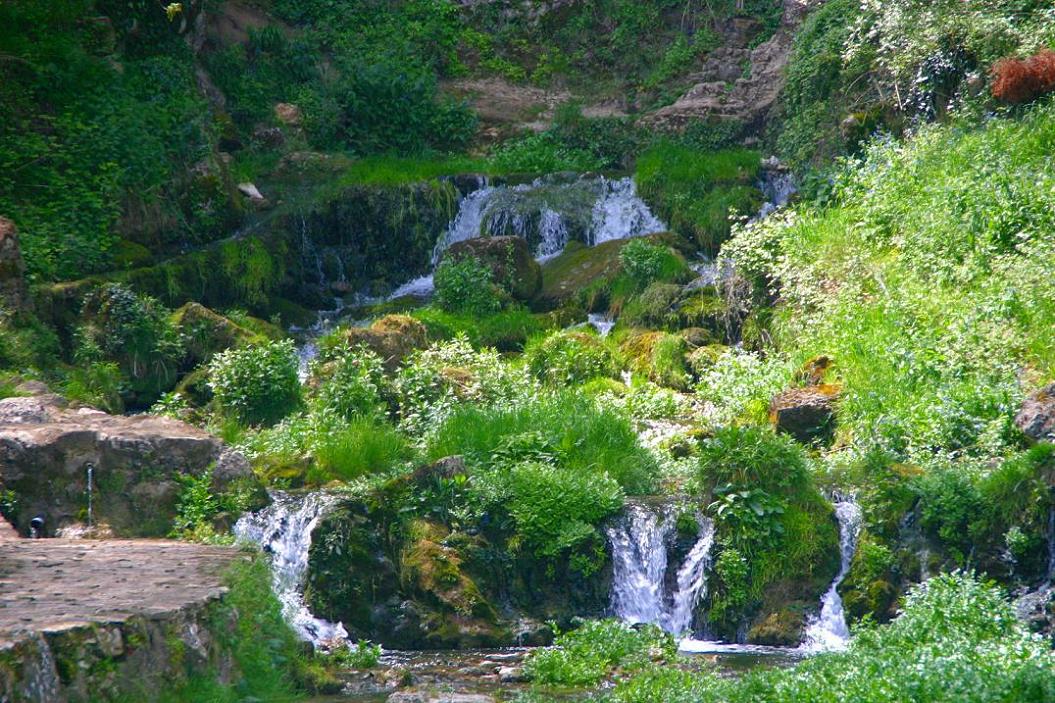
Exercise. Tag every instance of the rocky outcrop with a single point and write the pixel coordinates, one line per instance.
(1036, 418)
(726, 92)
(509, 260)
(12, 269)
(807, 414)
(46, 450)
(392, 337)
(90, 621)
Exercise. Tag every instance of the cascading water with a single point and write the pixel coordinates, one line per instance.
(640, 541)
(545, 212)
(777, 185)
(283, 530)
(828, 630)
(620, 214)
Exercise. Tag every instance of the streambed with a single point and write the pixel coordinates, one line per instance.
(495, 674)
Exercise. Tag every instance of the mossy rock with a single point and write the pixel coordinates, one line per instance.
(658, 355)
(130, 255)
(672, 307)
(565, 276)
(703, 359)
(207, 332)
(508, 258)
(393, 338)
(783, 628)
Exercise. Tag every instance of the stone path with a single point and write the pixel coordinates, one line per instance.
(49, 585)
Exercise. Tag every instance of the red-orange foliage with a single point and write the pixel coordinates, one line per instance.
(1021, 80)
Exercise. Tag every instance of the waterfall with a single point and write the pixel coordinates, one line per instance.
(283, 530)
(777, 185)
(620, 214)
(828, 630)
(546, 212)
(640, 541)
(600, 322)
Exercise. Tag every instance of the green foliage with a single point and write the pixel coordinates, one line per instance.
(81, 137)
(353, 383)
(957, 640)
(570, 358)
(136, 332)
(741, 384)
(647, 262)
(256, 385)
(696, 191)
(97, 384)
(555, 511)
(588, 655)
(362, 447)
(506, 331)
(467, 286)
(364, 655)
(589, 440)
(543, 153)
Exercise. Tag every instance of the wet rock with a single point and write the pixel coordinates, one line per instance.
(46, 448)
(12, 269)
(1036, 418)
(511, 674)
(807, 414)
(253, 194)
(783, 628)
(509, 259)
(271, 137)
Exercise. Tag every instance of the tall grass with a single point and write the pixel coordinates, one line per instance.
(363, 447)
(586, 438)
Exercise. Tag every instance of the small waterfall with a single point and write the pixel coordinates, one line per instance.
(283, 530)
(90, 469)
(640, 541)
(546, 212)
(600, 322)
(777, 185)
(829, 631)
(620, 214)
(310, 252)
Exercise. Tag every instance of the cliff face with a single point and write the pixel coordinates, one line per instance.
(747, 98)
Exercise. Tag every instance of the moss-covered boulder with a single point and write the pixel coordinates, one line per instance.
(807, 414)
(206, 332)
(392, 337)
(579, 266)
(660, 356)
(508, 258)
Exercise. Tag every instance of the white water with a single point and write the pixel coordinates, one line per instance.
(283, 530)
(533, 211)
(829, 631)
(600, 322)
(777, 187)
(640, 541)
(620, 214)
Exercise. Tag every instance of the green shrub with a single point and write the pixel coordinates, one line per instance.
(363, 447)
(364, 655)
(468, 286)
(588, 655)
(570, 358)
(257, 385)
(646, 262)
(555, 511)
(353, 383)
(96, 383)
(136, 332)
(542, 153)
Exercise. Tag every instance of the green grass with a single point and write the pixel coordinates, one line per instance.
(363, 447)
(695, 191)
(506, 331)
(587, 439)
(398, 170)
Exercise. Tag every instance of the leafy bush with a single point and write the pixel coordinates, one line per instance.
(555, 511)
(569, 358)
(589, 654)
(646, 262)
(506, 331)
(353, 383)
(741, 384)
(468, 286)
(257, 385)
(364, 655)
(136, 332)
(542, 153)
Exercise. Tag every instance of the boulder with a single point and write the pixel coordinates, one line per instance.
(1036, 418)
(137, 461)
(508, 258)
(393, 338)
(12, 269)
(807, 414)
(288, 114)
(207, 332)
